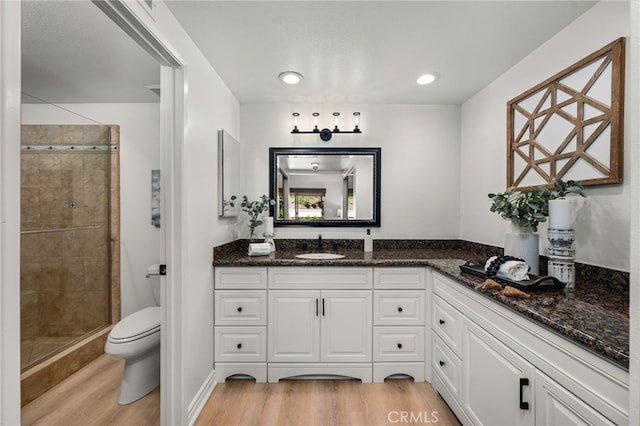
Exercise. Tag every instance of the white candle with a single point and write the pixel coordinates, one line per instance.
(560, 214)
(268, 225)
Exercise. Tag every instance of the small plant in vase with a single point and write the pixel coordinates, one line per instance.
(254, 210)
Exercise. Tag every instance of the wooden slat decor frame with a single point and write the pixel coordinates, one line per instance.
(570, 126)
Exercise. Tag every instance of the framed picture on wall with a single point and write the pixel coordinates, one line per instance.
(571, 125)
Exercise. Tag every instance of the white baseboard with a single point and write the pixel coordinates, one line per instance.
(201, 398)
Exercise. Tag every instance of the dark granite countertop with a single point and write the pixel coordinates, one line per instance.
(594, 315)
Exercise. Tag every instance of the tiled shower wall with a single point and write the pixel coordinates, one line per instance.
(65, 224)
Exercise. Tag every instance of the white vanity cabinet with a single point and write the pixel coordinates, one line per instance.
(240, 322)
(320, 321)
(493, 366)
(399, 312)
(320, 326)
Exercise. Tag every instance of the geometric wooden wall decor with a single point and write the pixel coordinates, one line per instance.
(571, 125)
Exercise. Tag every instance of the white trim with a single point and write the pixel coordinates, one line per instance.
(173, 404)
(10, 118)
(633, 133)
(201, 398)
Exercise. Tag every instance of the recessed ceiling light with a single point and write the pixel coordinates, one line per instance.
(290, 77)
(427, 79)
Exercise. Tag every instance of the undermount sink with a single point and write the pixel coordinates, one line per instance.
(320, 256)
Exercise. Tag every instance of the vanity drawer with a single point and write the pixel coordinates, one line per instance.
(398, 307)
(240, 277)
(242, 307)
(398, 344)
(399, 278)
(320, 278)
(446, 365)
(240, 344)
(446, 322)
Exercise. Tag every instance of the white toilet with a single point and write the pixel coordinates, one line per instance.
(136, 338)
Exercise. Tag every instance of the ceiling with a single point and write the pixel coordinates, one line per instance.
(348, 51)
(73, 53)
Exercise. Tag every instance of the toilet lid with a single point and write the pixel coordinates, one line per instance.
(142, 322)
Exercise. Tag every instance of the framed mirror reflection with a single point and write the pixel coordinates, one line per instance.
(325, 186)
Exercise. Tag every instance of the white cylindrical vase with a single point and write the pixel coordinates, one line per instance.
(524, 244)
(560, 214)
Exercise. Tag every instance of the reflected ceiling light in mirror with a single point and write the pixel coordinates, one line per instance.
(326, 134)
(425, 79)
(290, 77)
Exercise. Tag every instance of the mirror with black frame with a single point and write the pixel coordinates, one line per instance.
(325, 186)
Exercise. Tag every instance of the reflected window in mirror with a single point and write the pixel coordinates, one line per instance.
(325, 186)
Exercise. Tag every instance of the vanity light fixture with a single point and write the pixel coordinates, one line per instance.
(325, 134)
(290, 77)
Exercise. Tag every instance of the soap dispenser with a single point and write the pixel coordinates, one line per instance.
(368, 241)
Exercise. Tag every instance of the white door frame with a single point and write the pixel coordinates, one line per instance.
(10, 118)
(133, 19)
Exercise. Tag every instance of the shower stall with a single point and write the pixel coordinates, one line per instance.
(69, 252)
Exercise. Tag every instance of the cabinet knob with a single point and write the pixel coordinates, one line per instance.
(239, 308)
(441, 321)
(441, 363)
(399, 345)
(399, 308)
(239, 346)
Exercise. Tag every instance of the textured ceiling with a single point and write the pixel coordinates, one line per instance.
(368, 51)
(355, 52)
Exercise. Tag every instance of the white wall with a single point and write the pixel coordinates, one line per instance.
(602, 228)
(420, 162)
(139, 154)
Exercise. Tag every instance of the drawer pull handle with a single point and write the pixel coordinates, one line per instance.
(442, 363)
(239, 346)
(399, 308)
(239, 308)
(523, 382)
(399, 345)
(441, 321)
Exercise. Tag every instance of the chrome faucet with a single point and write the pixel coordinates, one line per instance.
(320, 245)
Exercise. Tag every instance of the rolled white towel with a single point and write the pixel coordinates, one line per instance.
(259, 249)
(515, 270)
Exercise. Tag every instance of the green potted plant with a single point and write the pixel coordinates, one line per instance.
(530, 207)
(526, 209)
(254, 210)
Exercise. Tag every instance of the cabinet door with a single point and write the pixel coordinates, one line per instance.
(497, 383)
(346, 326)
(556, 406)
(294, 326)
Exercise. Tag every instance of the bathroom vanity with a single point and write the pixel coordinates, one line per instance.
(360, 322)
(555, 358)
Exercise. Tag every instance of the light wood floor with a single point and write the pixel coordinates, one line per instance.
(324, 403)
(89, 398)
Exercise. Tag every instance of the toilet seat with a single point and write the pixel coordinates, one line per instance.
(136, 326)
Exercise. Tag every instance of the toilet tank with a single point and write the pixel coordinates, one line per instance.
(153, 274)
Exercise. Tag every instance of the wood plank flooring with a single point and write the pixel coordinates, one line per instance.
(325, 403)
(89, 398)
